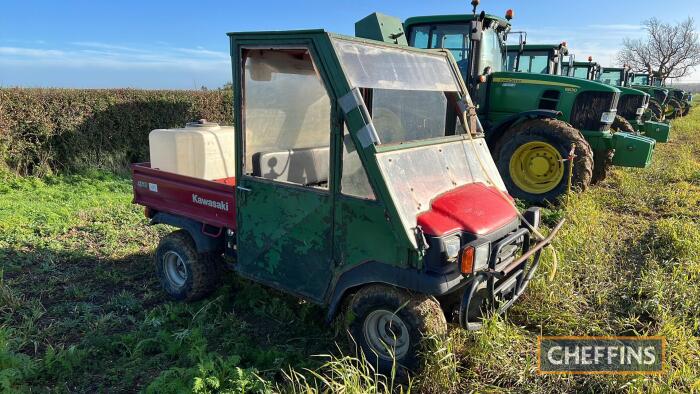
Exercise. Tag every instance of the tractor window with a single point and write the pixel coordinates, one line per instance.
(611, 77)
(492, 51)
(641, 79)
(421, 37)
(287, 117)
(581, 72)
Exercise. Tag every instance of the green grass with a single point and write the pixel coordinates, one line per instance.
(81, 311)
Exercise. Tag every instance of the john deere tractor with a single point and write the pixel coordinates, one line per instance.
(542, 130)
(678, 103)
(550, 59)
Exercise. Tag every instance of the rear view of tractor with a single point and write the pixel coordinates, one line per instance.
(545, 132)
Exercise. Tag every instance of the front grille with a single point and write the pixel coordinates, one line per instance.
(589, 108)
(627, 108)
(660, 96)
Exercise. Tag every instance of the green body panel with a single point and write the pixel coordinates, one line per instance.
(389, 28)
(632, 150)
(301, 239)
(659, 131)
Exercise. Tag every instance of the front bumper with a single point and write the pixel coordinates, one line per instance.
(505, 281)
(659, 131)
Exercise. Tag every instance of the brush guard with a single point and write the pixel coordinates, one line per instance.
(505, 284)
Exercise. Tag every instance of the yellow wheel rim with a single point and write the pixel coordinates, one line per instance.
(536, 167)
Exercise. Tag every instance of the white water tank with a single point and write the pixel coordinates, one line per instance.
(202, 150)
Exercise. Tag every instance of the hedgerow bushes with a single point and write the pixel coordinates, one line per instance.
(50, 130)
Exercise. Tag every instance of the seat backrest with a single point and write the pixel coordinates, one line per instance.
(307, 166)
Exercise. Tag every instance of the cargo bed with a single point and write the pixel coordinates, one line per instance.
(210, 202)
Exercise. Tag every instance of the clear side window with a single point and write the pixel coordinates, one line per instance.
(354, 181)
(287, 114)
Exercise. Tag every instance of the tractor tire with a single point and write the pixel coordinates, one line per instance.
(676, 107)
(387, 325)
(686, 108)
(656, 111)
(531, 159)
(622, 124)
(184, 274)
(602, 161)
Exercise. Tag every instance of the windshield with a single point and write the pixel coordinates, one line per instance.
(531, 61)
(410, 96)
(611, 77)
(455, 38)
(415, 176)
(641, 79)
(581, 72)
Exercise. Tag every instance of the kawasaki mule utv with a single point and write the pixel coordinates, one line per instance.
(362, 179)
(540, 128)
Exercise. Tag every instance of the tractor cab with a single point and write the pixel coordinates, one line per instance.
(531, 121)
(538, 58)
(589, 70)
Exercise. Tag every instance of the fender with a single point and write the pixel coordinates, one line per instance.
(495, 133)
(204, 242)
(406, 278)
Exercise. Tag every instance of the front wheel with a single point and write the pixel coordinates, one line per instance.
(532, 158)
(657, 114)
(622, 124)
(388, 325)
(673, 109)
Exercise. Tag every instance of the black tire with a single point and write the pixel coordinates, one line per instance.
(184, 274)
(686, 108)
(556, 133)
(602, 165)
(656, 111)
(677, 109)
(622, 124)
(412, 315)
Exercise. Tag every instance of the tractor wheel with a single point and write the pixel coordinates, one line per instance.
(622, 124)
(686, 108)
(673, 109)
(388, 325)
(602, 161)
(184, 274)
(531, 159)
(656, 111)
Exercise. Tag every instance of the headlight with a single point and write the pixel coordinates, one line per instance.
(481, 257)
(452, 245)
(640, 110)
(608, 117)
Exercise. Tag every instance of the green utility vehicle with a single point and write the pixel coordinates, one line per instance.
(678, 103)
(548, 59)
(540, 128)
(360, 181)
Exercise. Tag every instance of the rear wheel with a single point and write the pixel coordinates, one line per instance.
(622, 124)
(184, 274)
(531, 159)
(388, 325)
(656, 111)
(686, 108)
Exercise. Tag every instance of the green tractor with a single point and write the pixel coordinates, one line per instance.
(550, 59)
(659, 97)
(679, 100)
(545, 132)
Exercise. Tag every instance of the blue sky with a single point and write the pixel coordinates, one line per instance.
(182, 44)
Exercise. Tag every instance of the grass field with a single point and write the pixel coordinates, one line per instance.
(81, 311)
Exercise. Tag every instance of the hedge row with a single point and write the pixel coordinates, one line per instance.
(54, 130)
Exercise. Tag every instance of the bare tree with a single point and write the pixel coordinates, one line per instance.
(671, 50)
